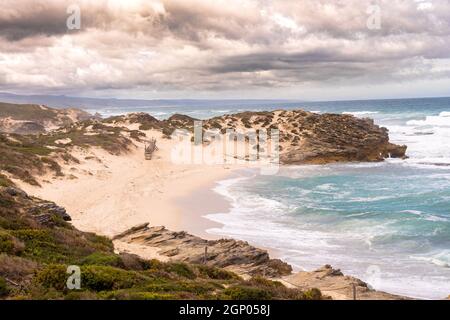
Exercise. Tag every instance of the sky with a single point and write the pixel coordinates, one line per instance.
(226, 49)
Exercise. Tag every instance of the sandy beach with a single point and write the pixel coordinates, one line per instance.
(108, 194)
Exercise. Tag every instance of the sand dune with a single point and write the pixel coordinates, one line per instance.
(108, 194)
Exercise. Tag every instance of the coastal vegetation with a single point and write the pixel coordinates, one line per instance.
(36, 252)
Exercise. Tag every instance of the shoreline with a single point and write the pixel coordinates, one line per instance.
(111, 194)
(205, 201)
(200, 202)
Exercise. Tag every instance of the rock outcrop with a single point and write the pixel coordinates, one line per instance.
(43, 212)
(333, 283)
(246, 260)
(305, 137)
(230, 254)
(310, 138)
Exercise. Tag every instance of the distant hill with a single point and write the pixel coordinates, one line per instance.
(35, 118)
(88, 103)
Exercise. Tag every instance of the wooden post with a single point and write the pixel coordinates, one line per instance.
(206, 254)
(354, 291)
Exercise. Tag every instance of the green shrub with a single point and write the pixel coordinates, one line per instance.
(133, 295)
(102, 259)
(263, 282)
(53, 276)
(154, 264)
(33, 235)
(101, 278)
(4, 290)
(312, 294)
(100, 242)
(41, 245)
(181, 269)
(246, 293)
(4, 181)
(197, 287)
(6, 243)
(80, 295)
(216, 273)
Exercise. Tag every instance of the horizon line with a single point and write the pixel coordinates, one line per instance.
(217, 99)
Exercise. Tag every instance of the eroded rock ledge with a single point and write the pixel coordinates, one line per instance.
(246, 260)
(234, 255)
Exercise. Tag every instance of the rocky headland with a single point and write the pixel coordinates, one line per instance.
(305, 137)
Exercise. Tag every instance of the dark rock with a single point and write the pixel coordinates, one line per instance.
(29, 127)
(45, 219)
(50, 208)
(16, 192)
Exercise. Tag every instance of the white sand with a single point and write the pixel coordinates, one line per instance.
(111, 194)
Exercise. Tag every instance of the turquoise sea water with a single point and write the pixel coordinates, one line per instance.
(386, 223)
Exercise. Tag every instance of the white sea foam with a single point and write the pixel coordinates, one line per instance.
(267, 222)
(326, 187)
(372, 199)
(415, 212)
(359, 113)
(351, 241)
(440, 258)
(428, 139)
(443, 119)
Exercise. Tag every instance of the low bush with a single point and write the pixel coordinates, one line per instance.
(136, 295)
(246, 293)
(265, 283)
(4, 290)
(102, 278)
(102, 259)
(216, 273)
(52, 276)
(181, 269)
(312, 294)
(6, 243)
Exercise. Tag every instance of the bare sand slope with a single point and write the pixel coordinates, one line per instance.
(108, 194)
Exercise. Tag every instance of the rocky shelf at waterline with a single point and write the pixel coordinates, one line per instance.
(246, 260)
(234, 255)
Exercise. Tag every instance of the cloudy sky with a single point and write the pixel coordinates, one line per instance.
(293, 49)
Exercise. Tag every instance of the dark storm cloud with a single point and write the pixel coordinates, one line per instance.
(22, 20)
(219, 45)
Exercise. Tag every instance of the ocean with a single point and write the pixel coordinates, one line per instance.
(386, 223)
